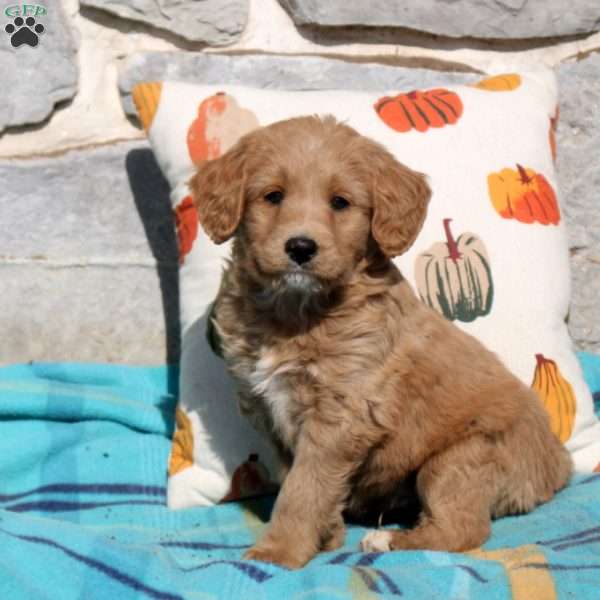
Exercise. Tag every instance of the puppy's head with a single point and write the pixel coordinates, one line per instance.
(308, 199)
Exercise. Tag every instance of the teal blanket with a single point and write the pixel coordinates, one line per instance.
(83, 455)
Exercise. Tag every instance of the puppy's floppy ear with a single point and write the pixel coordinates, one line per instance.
(400, 198)
(218, 192)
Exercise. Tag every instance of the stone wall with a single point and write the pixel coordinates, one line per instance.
(88, 255)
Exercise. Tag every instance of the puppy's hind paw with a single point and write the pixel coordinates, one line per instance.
(276, 555)
(377, 540)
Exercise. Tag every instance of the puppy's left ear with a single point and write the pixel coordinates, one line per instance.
(218, 192)
(400, 198)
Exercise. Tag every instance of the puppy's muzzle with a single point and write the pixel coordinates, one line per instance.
(301, 249)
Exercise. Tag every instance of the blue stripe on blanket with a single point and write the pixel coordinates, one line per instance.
(112, 572)
(83, 455)
(64, 505)
(131, 489)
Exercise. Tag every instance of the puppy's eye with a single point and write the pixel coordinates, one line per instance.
(339, 203)
(274, 197)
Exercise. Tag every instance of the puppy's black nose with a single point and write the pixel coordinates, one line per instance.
(300, 249)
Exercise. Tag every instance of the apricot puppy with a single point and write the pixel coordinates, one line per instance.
(359, 385)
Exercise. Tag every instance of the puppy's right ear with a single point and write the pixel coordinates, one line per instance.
(218, 192)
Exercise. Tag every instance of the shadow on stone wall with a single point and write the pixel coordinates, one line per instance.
(151, 194)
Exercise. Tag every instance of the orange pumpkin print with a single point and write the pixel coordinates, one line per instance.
(186, 223)
(182, 448)
(552, 132)
(500, 83)
(219, 125)
(251, 478)
(420, 110)
(524, 195)
(557, 396)
(146, 97)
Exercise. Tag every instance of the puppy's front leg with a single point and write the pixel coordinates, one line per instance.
(310, 502)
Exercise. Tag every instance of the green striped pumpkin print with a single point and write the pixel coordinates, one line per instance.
(454, 277)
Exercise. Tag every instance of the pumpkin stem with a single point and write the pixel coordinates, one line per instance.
(453, 252)
(253, 458)
(524, 177)
(542, 360)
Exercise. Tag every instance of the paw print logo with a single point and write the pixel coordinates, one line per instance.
(24, 31)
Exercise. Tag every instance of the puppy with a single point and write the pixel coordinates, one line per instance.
(359, 385)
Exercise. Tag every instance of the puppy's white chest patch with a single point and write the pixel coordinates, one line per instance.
(270, 383)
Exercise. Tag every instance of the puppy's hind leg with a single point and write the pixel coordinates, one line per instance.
(456, 489)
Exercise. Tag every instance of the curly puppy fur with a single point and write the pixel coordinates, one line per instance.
(359, 385)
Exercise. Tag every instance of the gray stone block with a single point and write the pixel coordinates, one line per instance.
(584, 314)
(274, 72)
(578, 163)
(215, 22)
(82, 312)
(87, 204)
(495, 19)
(89, 260)
(35, 79)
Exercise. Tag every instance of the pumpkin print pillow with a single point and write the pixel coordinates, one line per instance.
(492, 256)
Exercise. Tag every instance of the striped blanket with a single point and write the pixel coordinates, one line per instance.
(83, 455)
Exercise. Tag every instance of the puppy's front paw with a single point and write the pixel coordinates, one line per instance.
(377, 540)
(275, 554)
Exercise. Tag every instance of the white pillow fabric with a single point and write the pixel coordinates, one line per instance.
(492, 255)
